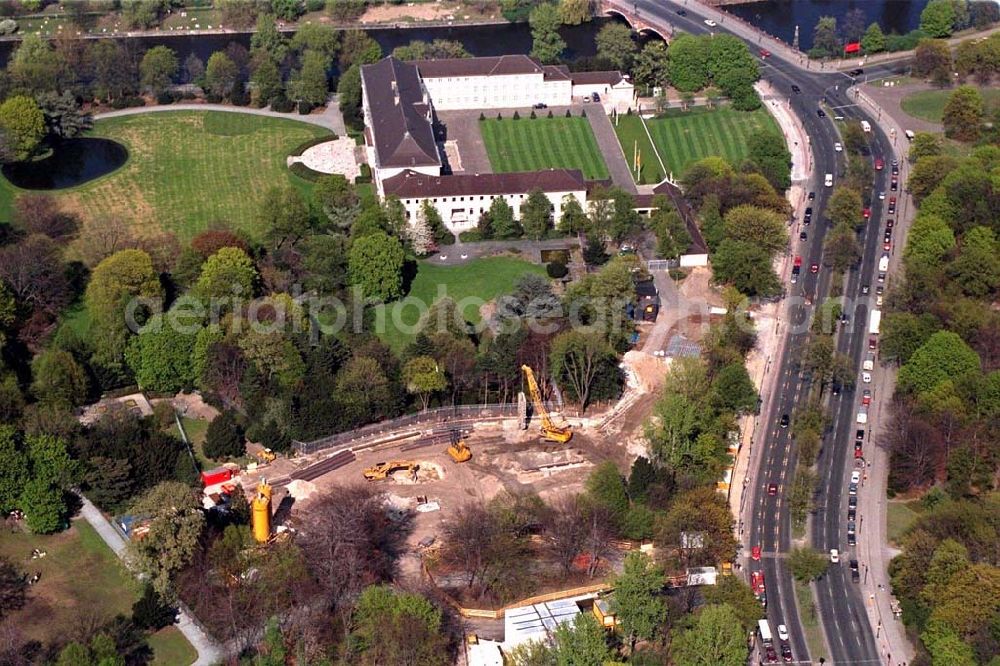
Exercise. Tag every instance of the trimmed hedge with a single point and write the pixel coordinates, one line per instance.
(306, 145)
(365, 176)
(302, 171)
(128, 103)
(239, 98)
(556, 270)
(305, 108)
(282, 104)
(165, 97)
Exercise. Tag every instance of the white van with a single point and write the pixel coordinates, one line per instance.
(862, 416)
(828, 180)
(883, 263)
(866, 126)
(869, 362)
(909, 135)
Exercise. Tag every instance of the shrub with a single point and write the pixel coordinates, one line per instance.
(550, 113)
(165, 97)
(517, 116)
(499, 117)
(556, 270)
(8, 27)
(118, 103)
(568, 114)
(365, 176)
(629, 111)
(482, 116)
(533, 115)
(305, 108)
(315, 5)
(677, 274)
(306, 145)
(213, 98)
(136, 101)
(447, 238)
(302, 171)
(470, 236)
(239, 98)
(224, 438)
(282, 104)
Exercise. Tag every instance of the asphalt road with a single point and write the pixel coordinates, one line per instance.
(838, 601)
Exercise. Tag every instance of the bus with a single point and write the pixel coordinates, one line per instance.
(765, 632)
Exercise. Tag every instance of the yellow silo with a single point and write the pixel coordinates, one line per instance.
(261, 513)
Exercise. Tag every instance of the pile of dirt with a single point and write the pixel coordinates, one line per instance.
(649, 371)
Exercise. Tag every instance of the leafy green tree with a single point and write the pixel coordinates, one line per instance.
(927, 174)
(575, 12)
(767, 151)
(735, 593)
(536, 215)
(228, 273)
(176, 520)
(929, 240)
(158, 68)
(715, 639)
(224, 437)
(114, 283)
(873, 41)
(946, 646)
(58, 379)
(309, 83)
(284, 215)
(580, 361)
(845, 207)
(572, 220)
(745, 266)
(14, 468)
(826, 42)
(688, 63)
(615, 44)
(160, 356)
(651, 65)
(502, 220)
(637, 603)
(23, 124)
(375, 265)
(151, 612)
(532, 653)
(582, 643)
(924, 144)
(64, 119)
(44, 506)
(963, 114)
(338, 199)
(938, 18)
(398, 627)
(757, 226)
(944, 356)
(546, 44)
(733, 390)
(977, 269)
(807, 564)
(222, 75)
(932, 58)
(423, 377)
(841, 248)
(903, 333)
(606, 487)
(267, 42)
(266, 80)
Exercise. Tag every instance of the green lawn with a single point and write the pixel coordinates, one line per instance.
(196, 430)
(80, 577)
(543, 143)
(170, 648)
(187, 169)
(683, 137)
(899, 516)
(929, 104)
(480, 281)
(810, 620)
(632, 135)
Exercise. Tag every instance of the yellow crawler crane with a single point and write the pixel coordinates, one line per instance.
(459, 450)
(383, 469)
(550, 431)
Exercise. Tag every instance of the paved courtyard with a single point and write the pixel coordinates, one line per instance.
(337, 156)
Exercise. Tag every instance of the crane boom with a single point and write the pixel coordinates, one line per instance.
(550, 430)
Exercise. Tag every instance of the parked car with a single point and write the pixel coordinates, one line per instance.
(855, 573)
(541, 105)
(803, 236)
(764, 53)
(796, 89)
(838, 147)
(812, 195)
(755, 553)
(710, 23)
(834, 555)
(821, 113)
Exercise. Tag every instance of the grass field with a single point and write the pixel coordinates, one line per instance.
(187, 169)
(683, 137)
(899, 516)
(929, 104)
(810, 620)
(543, 143)
(482, 280)
(631, 134)
(80, 577)
(170, 648)
(196, 430)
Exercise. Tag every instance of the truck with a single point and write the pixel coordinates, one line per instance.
(869, 363)
(862, 418)
(765, 632)
(883, 264)
(874, 321)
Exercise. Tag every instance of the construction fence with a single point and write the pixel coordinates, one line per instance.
(444, 416)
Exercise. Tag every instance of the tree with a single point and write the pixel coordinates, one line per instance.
(229, 273)
(637, 603)
(582, 643)
(735, 593)
(930, 238)
(546, 44)
(160, 356)
(767, 151)
(688, 63)
(44, 506)
(267, 42)
(615, 44)
(807, 564)
(14, 468)
(375, 265)
(873, 41)
(963, 114)
(938, 18)
(932, 58)
(536, 215)
(194, 67)
(151, 612)
(946, 646)
(284, 215)
(502, 220)
(845, 207)
(841, 248)
(309, 83)
(606, 488)
(438, 49)
(579, 358)
(23, 123)
(224, 437)
(733, 390)
(715, 639)
(316, 37)
(117, 285)
(13, 587)
(158, 68)
(944, 357)
(575, 12)
(266, 80)
(63, 117)
(58, 379)
(757, 226)
(423, 377)
(651, 65)
(904, 332)
(398, 628)
(826, 42)
(221, 75)
(746, 267)
(41, 214)
(175, 524)
(112, 68)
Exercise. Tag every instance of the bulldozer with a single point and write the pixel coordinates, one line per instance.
(459, 450)
(265, 456)
(550, 431)
(383, 469)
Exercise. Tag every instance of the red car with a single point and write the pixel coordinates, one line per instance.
(755, 553)
(857, 452)
(814, 268)
(772, 489)
(798, 261)
(764, 53)
(872, 343)
(879, 164)
(887, 245)
(867, 212)
(892, 201)
(866, 398)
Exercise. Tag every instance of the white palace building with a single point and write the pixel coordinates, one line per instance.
(400, 98)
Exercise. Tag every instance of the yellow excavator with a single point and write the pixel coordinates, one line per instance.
(550, 431)
(383, 469)
(459, 450)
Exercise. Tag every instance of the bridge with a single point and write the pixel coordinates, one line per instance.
(633, 16)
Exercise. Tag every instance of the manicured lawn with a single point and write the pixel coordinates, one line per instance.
(187, 169)
(170, 648)
(810, 620)
(543, 143)
(479, 281)
(929, 104)
(80, 577)
(631, 135)
(196, 430)
(899, 516)
(683, 137)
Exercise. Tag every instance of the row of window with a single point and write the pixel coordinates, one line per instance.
(454, 199)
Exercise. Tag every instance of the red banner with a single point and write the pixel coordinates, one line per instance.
(852, 47)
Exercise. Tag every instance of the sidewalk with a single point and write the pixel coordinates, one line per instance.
(611, 149)
(330, 118)
(208, 651)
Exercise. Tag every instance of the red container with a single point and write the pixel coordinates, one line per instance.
(217, 475)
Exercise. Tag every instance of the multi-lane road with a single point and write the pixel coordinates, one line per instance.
(840, 605)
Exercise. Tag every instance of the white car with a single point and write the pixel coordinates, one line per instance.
(782, 632)
(855, 476)
(828, 180)
(881, 196)
(866, 377)
(834, 555)
(710, 23)
(839, 148)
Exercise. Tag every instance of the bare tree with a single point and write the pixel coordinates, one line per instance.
(101, 237)
(566, 527)
(912, 442)
(600, 530)
(34, 272)
(40, 214)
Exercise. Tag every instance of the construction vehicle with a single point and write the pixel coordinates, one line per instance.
(383, 469)
(265, 456)
(550, 431)
(260, 512)
(459, 450)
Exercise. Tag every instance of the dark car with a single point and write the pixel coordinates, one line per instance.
(835, 388)
(812, 195)
(856, 72)
(852, 512)
(772, 489)
(786, 653)
(682, 12)
(855, 573)
(541, 105)
(894, 185)
(821, 113)
(796, 89)
(864, 289)
(859, 435)
(803, 236)
(784, 420)
(852, 539)
(852, 502)
(890, 223)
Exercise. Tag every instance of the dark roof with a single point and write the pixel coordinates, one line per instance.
(401, 130)
(410, 184)
(488, 66)
(556, 73)
(610, 78)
